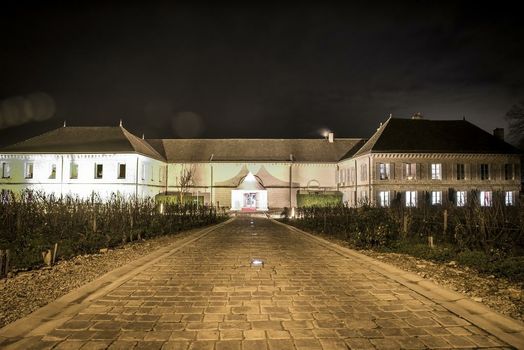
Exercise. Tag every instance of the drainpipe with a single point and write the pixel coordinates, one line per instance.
(369, 180)
(291, 181)
(62, 177)
(211, 184)
(136, 180)
(167, 176)
(356, 184)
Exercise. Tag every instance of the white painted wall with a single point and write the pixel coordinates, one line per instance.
(150, 180)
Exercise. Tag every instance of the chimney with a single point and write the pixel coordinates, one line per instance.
(499, 133)
(417, 115)
(331, 137)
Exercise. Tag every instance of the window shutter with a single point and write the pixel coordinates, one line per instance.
(392, 171)
(516, 171)
(377, 172)
(443, 169)
(418, 170)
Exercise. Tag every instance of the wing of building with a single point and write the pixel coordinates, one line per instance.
(409, 160)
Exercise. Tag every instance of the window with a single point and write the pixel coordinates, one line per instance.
(53, 171)
(364, 172)
(6, 171)
(383, 198)
(411, 198)
(485, 198)
(436, 197)
(461, 198)
(436, 171)
(28, 171)
(484, 171)
(410, 171)
(508, 172)
(508, 198)
(121, 170)
(364, 196)
(161, 174)
(99, 171)
(461, 174)
(143, 171)
(383, 170)
(73, 171)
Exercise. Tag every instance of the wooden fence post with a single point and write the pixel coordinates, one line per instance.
(2, 258)
(445, 220)
(55, 250)
(430, 242)
(7, 258)
(405, 225)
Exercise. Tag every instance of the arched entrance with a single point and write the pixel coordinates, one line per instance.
(250, 195)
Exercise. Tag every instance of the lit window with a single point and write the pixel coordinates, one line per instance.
(28, 171)
(508, 172)
(461, 198)
(53, 171)
(6, 171)
(99, 171)
(461, 174)
(410, 171)
(73, 171)
(485, 198)
(508, 198)
(411, 198)
(436, 197)
(383, 198)
(484, 171)
(121, 170)
(436, 171)
(383, 169)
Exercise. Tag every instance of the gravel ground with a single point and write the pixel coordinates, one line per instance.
(26, 291)
(497, 293)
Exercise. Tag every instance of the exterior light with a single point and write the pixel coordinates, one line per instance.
(257, 263)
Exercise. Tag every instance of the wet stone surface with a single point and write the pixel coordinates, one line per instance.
(209, 295)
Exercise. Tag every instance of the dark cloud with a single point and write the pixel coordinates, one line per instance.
(266, 71)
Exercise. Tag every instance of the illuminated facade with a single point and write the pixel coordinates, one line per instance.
(410, 160)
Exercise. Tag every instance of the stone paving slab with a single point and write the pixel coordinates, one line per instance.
(306, 295)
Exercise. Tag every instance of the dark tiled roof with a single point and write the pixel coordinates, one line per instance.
(85, 140)
(434, 136)
(303, 150)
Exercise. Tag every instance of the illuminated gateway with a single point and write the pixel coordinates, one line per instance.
(409, 160)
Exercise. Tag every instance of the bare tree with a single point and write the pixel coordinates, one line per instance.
(185, 181)
(515, 118)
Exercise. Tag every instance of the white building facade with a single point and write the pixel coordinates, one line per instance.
(435, 166)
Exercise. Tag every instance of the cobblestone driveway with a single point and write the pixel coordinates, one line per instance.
(208, 296)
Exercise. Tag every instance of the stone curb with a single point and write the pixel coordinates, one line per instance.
(505, 328)
(48, 317)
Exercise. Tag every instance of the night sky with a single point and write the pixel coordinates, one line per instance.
(176, 70)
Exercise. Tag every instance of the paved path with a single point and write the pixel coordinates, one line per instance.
(306, 296)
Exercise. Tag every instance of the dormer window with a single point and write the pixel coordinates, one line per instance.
(52, 175)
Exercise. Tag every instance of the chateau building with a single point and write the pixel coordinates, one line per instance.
(410, 160)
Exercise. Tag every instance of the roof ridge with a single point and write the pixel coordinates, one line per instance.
(129, 135)
(368, 145)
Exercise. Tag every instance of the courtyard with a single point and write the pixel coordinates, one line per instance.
(252, 283)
